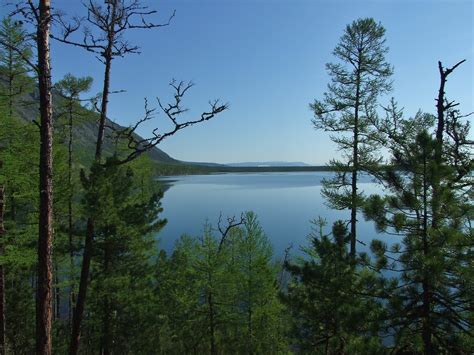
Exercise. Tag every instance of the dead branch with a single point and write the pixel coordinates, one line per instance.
(172, 112)
(232, 222)
(103, 27)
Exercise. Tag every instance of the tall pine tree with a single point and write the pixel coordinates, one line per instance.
(359, 77)
(428, 203)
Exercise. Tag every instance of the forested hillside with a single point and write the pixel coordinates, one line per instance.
(85, 131)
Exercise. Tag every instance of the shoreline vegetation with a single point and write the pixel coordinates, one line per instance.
(176, 169)
(190, 169)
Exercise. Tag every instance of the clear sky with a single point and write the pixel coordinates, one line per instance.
(266, 58)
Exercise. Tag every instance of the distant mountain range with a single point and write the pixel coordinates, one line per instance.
(253, 164)
(267, 164)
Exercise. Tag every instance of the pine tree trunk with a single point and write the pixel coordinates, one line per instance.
(45, 237)
(106, 334)
(10, 92)
(441, 108)
(103, 109)
(355, 169)
(81, 296)
(427, 330)
(212, 336)
(440, 114)
(2, 276)
(250, 307)
(69, 207)
(435, 205)
(57, 293)
(12, 205)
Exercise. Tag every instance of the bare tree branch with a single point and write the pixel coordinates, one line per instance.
(232, 222)
(172, 111)
(110, 22)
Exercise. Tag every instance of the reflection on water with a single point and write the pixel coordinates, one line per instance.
(284, 202)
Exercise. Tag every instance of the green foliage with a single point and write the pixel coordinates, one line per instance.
(121, 293)
(429, 302)
(333, 304)
(179, 311)
(347, 111)
(360, 76)
(260, 311)
(72, 87)
(15, 50)
(69, 109)
(221, 293)
(20, 179)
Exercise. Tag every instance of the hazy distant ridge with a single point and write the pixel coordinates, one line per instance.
(267, 163)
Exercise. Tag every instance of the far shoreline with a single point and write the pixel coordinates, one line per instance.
(164, 170)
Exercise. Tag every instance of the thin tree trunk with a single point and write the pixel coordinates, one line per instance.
(2, 276)
(441, 108)
(435, 204)
(79, 309)
(427, 330)
(106, 335)
(250, 327)
(69, 207)
(45, 236)
(10, 82)
(355, 169)
(12, 205)
(103, 109)
(250, 306)
(57, 293)
(212, 338)
(81, 297)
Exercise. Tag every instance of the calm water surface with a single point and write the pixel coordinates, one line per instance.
(284, 202)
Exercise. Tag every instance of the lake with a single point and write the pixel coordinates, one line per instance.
(284, 203)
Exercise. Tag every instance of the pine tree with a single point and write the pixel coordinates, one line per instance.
(180, 322)
(428, 203)
(259, 310)
(20, 146)
(361, 75)
(126, 221)
(333, 304)
(15, 51)
(218, 293)
(71, 113)
(38, 15)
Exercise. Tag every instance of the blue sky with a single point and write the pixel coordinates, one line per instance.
(266, 58)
